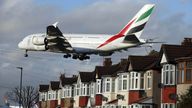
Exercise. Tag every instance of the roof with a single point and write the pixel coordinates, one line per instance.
(55, 85)
(68, 80)
(175, 51)
(87, 76)
(183, 59)
(140, 63)
(113, 69)
(113, 101)
(43, 88)
(145, 100)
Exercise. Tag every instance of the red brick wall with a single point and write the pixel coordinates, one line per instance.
(39, 104)
(98, 100)
(166, 91)
(53, 103)
(62, 103)
(83, 101)
(133, 96)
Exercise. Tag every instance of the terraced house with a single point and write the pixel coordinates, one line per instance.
(151, 81)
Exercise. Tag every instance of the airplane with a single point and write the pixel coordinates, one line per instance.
(80, 46)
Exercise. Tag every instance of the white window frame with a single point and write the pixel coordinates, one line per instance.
(121, 80)
(168, 105)
(149, 82)
(49, 95)
(67, 91)
(139, 106)
(108, 85)
(168, 74)
(77, 93)
(135, 81)
(98, 86)
(92, 90)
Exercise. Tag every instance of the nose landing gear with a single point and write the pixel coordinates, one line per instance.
(25, 55)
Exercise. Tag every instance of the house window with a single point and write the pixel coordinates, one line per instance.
(180, 72)
(72, 91)
(49, 96)
(188, 75)
(92, 88)
(77, 89)
(125, 82)
(107, 85)
(189, 71)
(149, 80)
(53, 95)
(88, 89)
(141, 80)
(98, 86)
(167, 105)
(83, 89)
(135, 81)
(67, 91)
(120, 82)
(113, 85)
(168, 76)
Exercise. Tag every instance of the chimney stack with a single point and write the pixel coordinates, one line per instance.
(62, 76)
(107, 62)
(123, 61)
(187, 42)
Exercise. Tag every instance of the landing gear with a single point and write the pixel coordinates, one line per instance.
(25, 55)
(83, 57)
(67, 55)
(77, 56)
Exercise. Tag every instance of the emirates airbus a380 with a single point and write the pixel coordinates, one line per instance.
(80, 46)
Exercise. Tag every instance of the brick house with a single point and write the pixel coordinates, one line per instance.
(144, 76)
(67, 90)
(43, 89)
(174, 61)
(53, 94)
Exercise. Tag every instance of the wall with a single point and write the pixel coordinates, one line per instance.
(182, 88)
(166, 91)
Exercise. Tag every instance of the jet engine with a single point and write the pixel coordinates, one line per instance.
(40, 47)
(37, 40)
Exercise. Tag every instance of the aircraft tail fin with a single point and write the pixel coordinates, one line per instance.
(133, 30)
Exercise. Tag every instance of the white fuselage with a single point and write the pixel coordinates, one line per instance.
(81, 43)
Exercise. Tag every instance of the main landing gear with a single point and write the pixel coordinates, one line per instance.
(25, 55)
(77, 56)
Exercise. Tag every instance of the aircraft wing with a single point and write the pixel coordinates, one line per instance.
(56, 41)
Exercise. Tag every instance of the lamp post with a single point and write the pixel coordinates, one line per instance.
(21, 68)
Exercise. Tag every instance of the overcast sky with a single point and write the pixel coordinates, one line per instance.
(170, 22)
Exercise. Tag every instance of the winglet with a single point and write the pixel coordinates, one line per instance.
(55, 24)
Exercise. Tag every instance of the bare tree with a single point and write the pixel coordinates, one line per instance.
(29, 96)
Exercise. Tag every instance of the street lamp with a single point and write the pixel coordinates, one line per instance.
(21, 68)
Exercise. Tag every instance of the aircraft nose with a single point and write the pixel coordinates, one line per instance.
(20, 45)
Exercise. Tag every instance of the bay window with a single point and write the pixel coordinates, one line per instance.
(77, 89)
(107, 85)
(168, 74)
(189, 71)
(123, 82)
(67, 91)
(148, 80)
(136, 80)
(167, 105)
(98, 85)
